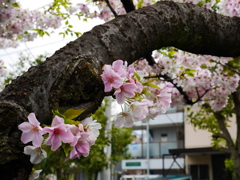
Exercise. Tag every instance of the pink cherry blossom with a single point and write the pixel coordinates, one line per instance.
(76, 132)
(164, 98)
(84, 9)
(81, 148)
(120, 68)
(139, 109)
(126, 90)
(124, 119)
(58, 134)
(32, 131)
(92, 127)
(153, 112)
(57, 120)
(110, 78)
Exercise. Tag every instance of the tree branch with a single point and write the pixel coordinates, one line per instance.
(229, 67)
(226, 135)
(236, 100)
(71, 77)
(111, 8)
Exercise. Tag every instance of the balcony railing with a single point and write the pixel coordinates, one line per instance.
(156, 150)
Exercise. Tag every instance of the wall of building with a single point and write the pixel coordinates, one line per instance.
(197, 138)
(158, 134)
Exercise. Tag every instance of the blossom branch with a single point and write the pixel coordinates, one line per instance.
(180, 89)
(111, 8)
(227, 66)
(200, 97)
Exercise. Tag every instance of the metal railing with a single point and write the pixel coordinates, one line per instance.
(156, 149)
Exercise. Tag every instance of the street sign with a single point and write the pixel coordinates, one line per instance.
(133, 163)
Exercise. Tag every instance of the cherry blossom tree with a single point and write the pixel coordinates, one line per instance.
(74, 78)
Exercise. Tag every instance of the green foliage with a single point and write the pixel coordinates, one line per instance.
(69, 115)
(151, 85)
(25, 61)
(97, 159)
(15, 5)
(232, 67)
(41, 33)
(229, 164)
(189, 72)
(60, 8)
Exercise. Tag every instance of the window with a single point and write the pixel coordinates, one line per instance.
(164, 138)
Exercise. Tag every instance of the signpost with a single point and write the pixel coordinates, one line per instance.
(133, 163)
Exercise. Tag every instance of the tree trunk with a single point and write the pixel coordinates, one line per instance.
(236, 156)
(236, 161)
(71, 77)
(230, 144)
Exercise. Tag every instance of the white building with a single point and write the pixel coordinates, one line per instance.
(148, 150)
(176, 147)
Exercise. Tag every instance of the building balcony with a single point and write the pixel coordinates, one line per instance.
(156, 149)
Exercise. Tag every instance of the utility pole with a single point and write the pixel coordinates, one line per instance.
(106, 173)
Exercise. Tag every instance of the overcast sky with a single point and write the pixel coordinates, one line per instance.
(44, 44)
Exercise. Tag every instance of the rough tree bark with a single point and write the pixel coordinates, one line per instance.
(235, 152)
(71, 77)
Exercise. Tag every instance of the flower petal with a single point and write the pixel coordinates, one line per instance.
(37, 141)
(57, 120)
(56, 142)
(73, 153)
(66, 136)
(32, 119)
(119, 122)
(36, 158)
(25, 127)
(27, 137)
(28, 150)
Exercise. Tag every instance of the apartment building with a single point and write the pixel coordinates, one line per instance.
(201, 160)
(150, 150)
(173, 146)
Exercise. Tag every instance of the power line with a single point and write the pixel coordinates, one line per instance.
(14, 52)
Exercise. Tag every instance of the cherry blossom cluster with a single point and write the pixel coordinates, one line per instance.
(191, 73)
(77, 137)
(230, 7)
(144, 98)
(148, 91)
(103, 12)
(18, 24)
(226, 7)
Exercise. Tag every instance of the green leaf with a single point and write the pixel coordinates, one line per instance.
(78, 34)
(66, 147)
(151, 85)
(47, 33)
(70, 121)
(15, 5)
(190, 72)
(137, 76)
(57, 113)
(72, 113)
